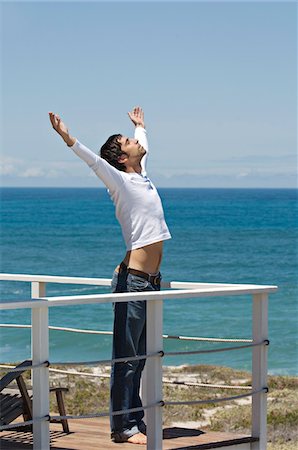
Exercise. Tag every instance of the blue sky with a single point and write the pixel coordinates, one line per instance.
(217, 82)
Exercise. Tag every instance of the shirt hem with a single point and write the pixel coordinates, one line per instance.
(151, 241)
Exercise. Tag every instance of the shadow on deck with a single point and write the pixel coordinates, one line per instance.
(95, 433)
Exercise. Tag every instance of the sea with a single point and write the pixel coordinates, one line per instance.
(218, 236)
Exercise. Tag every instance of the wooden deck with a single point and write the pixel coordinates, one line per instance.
(87, 434)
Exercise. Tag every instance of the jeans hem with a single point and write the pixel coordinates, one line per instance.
(122, 436)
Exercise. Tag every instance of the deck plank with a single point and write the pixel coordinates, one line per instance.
(95, 433)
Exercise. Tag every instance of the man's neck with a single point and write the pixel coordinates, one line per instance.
(137, 169)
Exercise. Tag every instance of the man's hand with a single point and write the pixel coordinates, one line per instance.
(137, 116)
(61, 129)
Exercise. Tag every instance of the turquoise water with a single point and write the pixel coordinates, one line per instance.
(219, 235)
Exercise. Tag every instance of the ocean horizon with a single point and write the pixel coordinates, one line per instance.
(218, 235)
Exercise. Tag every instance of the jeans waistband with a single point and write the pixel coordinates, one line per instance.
(153, 279)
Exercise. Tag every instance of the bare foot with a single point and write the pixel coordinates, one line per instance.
(138, 438)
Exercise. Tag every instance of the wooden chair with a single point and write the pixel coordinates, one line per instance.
(15, 405)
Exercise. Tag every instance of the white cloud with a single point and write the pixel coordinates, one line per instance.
(21, 168)
(33, 172)
(52, 173)
(243, 174)
(7, 169)
(9, 166)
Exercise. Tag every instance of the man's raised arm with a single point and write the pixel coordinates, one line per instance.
(137, 118)
(111, 177)
(61, 129)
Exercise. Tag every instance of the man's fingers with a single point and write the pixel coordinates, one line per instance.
(52, 118)
(139, 112)
(55, 119)
(136, 114)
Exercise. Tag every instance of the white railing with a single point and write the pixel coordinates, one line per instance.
(152, 378)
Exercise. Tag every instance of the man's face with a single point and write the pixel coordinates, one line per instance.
(132, 148)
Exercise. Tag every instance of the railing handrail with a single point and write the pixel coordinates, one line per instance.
(107, 282)
(197, 290)
(71, 300)
(110, 333)
(54, 279)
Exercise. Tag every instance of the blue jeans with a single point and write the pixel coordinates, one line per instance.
(129, 339)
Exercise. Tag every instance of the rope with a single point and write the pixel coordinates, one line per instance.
(23, 424)
(161, 403)
(196, 352)
(217, 400)
(32, 366)
(192, 338)
(161, 353)
(14, 325)
(72, 330)
(109, 361)
(76, 330)
(216, 386)
(104, 375)
(165, 380)
(114, 413)
(5, 366)
(165, 336)
(67, 372)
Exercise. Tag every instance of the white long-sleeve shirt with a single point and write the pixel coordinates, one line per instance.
(138, 206)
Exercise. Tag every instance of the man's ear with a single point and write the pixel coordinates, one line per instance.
(123, 158)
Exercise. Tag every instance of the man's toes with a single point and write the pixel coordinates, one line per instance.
(138, 438)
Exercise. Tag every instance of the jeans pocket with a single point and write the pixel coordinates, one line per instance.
(136, 283)
(114, 281)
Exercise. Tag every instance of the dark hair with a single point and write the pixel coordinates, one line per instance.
(111, 152)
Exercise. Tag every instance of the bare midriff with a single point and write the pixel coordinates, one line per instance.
(147, 259)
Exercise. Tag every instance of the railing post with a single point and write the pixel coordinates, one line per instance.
(144, 381)
(40, 377)
(153, 388)
(259, 371)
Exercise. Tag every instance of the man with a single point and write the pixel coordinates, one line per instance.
(122, 168)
